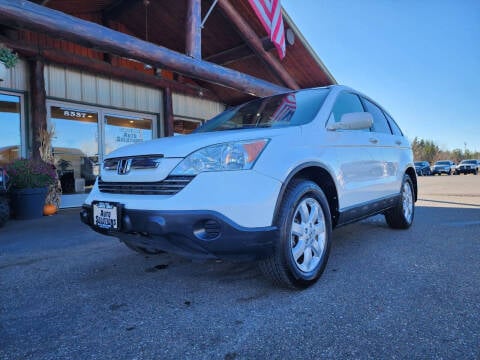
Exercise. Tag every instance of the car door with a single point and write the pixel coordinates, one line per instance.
(356, 170)
(387, 150)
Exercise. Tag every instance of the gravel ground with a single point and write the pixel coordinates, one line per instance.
(69, 293)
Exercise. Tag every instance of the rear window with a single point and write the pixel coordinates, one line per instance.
(442, 163)
(295, 108)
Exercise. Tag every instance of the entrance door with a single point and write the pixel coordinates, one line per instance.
(81, 140)
(75, 149)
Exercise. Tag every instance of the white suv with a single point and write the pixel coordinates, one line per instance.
(267, 181)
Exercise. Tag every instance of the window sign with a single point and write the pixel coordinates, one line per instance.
(124, 130)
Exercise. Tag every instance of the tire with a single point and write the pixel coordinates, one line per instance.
(401, 216)
(4, 211)
(142, 250)
(305, 230)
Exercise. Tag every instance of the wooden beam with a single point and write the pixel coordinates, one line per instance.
(244, 51)
(193, 29)
(38, 100)
(21, 13)
(168, 125)
(255, 43)
(106, 69)
(238, 53)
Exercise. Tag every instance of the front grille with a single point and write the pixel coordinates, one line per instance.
(170, 186)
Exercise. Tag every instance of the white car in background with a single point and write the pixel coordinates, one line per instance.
(266, 181)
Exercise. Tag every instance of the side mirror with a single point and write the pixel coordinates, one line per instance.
(352, 121)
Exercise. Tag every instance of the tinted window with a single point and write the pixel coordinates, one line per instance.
(393, 125)
(296, 108)
(380, 123)
(346, 103)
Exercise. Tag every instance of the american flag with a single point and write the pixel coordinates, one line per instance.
(270, 14)
(285, 109)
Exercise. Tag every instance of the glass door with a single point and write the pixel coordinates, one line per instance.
(83, 136)
(75, 148)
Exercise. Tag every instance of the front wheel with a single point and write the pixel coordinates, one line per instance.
(401, 216)
(305, 230)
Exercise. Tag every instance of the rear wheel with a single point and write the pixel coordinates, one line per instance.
(401, 216)
(305, 229)
(4, 211)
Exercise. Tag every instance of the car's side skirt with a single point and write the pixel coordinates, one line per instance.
(362, 211)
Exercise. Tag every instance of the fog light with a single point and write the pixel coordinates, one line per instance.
(207, 229)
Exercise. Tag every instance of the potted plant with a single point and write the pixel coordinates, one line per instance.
(29, 181)
(8, 59)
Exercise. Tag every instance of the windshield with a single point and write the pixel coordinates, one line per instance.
(295, 108)
(419, 163)
(469, 162)
(442, 163)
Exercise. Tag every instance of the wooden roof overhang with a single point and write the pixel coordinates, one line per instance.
(230, 61)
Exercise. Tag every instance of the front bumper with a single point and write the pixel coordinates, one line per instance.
(441, 171)
(193, 234)
(465, 170)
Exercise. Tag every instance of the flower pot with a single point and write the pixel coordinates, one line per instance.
(28, 203)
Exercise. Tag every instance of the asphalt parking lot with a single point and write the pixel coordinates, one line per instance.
(69, 293)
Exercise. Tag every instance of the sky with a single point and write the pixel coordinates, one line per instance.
(420, 60)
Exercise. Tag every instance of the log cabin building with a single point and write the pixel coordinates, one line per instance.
(106, 73)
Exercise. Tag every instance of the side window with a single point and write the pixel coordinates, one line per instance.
(380, 123)
(396, 130)
(346, 103)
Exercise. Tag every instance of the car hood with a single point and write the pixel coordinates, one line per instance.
(182, 145)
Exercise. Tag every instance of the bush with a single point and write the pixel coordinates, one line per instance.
(29, 173)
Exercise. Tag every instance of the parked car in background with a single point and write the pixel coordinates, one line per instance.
(423, 168)
(468, 167)
(443, 167)
(222, 192)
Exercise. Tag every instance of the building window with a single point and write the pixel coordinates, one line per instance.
(10, 127)
(185, 126)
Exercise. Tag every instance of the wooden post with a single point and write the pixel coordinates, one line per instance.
(38, 101)
(168, 125)
(21, 13)
(193, 30)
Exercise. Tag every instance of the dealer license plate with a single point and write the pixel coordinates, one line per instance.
(106, 215)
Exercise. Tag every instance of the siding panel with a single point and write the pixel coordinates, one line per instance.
(84, 87)
(195, 107)
(89, 88)
(103, 91)
(56, 82)
(74, 85)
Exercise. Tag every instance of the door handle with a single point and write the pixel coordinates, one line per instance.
(373, 140)
(398, 142)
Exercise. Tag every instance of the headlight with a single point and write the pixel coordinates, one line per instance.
(240, 155)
